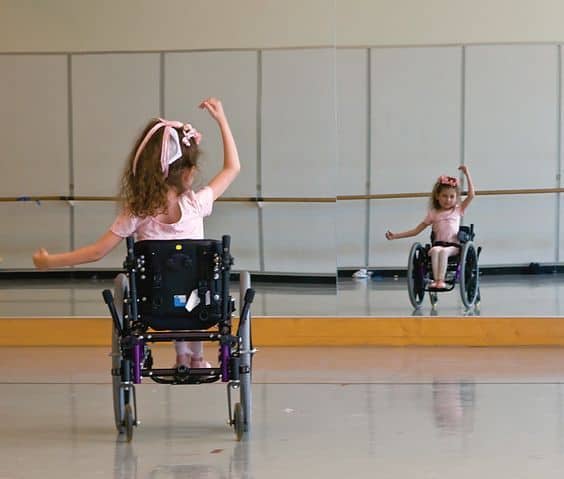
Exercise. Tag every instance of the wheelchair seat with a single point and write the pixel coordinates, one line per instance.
(180, 285)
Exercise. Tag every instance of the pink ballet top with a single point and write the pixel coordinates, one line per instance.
(445, 223)
(194, 208)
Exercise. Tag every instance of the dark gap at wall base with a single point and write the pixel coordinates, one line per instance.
(7, 275)
(526, 269)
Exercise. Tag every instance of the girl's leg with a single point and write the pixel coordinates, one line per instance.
(439, 261)
(183, 353)
(434, 252)
(198, 360)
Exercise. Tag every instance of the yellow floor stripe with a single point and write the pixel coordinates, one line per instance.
(315, 331)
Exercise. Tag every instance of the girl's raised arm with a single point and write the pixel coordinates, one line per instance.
(471, 193)
(231, 165)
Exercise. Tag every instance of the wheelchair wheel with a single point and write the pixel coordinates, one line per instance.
(239, 421)
(416, 275)
(128, 421)
(469, 275)
(119, 399)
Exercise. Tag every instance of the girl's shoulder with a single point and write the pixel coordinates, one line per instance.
(201, 200)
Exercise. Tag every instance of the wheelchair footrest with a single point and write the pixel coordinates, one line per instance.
(161, 337)
(440, 290)
(183, 375)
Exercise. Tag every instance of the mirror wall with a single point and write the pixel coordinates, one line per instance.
(81, 96)
(424, 87)
(364, 102)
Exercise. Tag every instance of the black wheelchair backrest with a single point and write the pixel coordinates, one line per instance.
(180, 283)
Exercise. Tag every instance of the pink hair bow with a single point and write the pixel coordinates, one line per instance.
(170, 147)
(448, 181)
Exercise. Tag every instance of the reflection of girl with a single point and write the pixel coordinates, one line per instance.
(158, 201)
(444, 215)
(453, 405)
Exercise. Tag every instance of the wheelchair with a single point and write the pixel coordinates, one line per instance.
(178, 290)
(462, 268)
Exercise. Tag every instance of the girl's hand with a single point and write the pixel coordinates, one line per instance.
(214, 108)
(464, 169)
(41, 259)
(390, 235)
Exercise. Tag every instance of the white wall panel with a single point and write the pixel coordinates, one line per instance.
(231, 77)
(395, 215)
(299, 238)
(114, 96)
(351, 233)
(512, 115)
(352, 121)
(299, 141)
(34, 125)
(416, 116)
(560, 251)
(92, 220)
(240, 220)
(29, 226)
(517, 229)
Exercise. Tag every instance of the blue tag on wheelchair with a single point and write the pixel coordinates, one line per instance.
(179, 300)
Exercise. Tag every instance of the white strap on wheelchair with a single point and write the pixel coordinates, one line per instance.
(193, 300)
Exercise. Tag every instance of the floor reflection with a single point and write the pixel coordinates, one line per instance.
(128, 465)
(501, 295)
(453, 406)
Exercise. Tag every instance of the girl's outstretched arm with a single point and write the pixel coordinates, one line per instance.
(87, 254)
(470, 185)
(406, 234)
(231, 165)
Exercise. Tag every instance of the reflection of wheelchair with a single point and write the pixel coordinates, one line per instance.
(462, 268)
(175, 290)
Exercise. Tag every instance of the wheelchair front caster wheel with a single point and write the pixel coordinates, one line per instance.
(129, 422)
(239, 421)
(434, 297)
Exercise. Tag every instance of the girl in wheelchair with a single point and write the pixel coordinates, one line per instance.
(444, 215)
(157, 198)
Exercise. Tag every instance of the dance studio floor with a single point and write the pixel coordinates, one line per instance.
(331, 412)
(318, 412)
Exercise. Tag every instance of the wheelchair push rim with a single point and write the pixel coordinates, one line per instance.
(416, 275)
(469, 275)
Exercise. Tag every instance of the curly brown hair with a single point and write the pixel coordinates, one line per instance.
(145, 193)
(437, 189)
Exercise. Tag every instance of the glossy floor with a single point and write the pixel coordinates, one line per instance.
(318, 412)
(512, 295)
